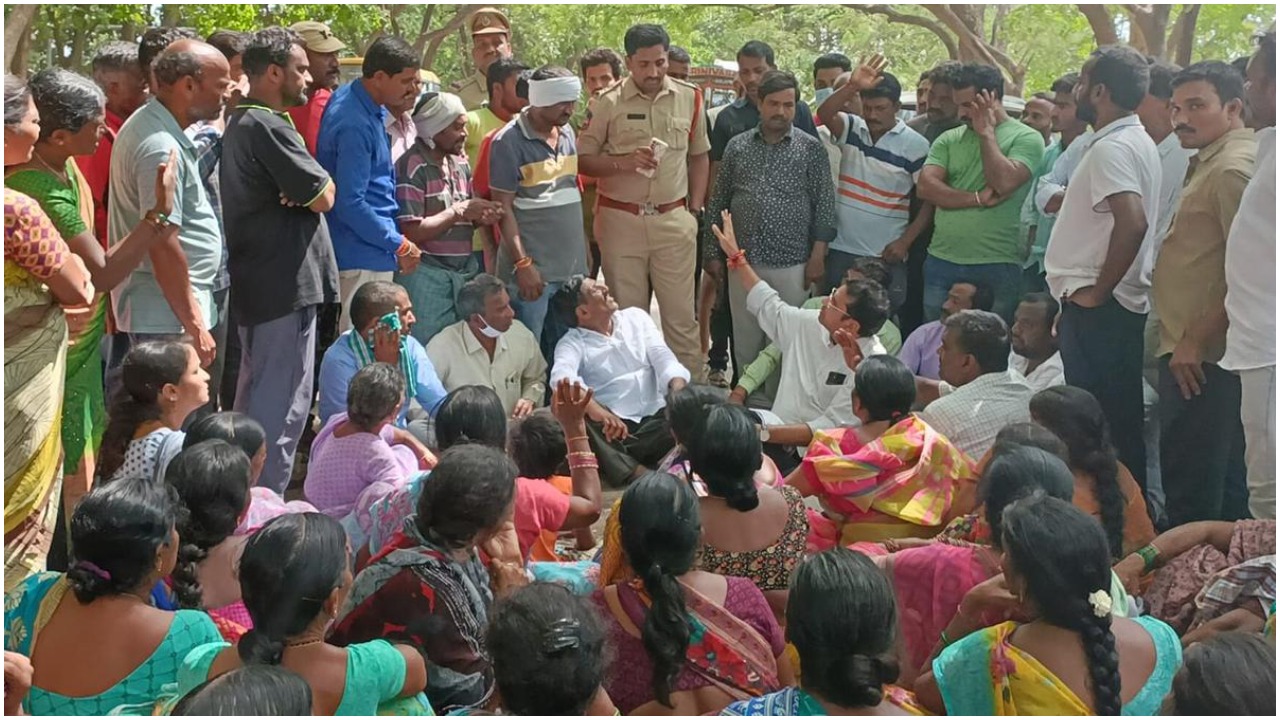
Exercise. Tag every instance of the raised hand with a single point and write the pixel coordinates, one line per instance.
(569, 403)
(867, 74)
(724, 233)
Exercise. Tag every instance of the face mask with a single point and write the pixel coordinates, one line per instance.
(822, 94)
(489, 331)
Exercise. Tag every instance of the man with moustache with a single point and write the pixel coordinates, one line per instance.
(1098, 246)
(648, 204)
(322, 59)
(353, 147)
(776, 183)
(1251, 287)
(881, 160)
(439, 212)
(754, 60)
(490, 40)
(533, 174)
(940, 112)
(281, 259)
(172, 293)
(1201, 438)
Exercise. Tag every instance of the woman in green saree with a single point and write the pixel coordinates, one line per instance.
(72, 111)
(41, 277)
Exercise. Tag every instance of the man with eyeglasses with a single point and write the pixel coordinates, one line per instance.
(820, 348)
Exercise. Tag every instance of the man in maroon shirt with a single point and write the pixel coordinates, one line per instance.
(322, 56)
(116, 70)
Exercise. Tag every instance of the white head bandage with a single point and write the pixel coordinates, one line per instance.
(436, 114)
(553, 91)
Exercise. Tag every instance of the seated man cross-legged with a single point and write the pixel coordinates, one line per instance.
(621, 356)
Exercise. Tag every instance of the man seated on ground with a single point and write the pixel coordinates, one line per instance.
(1035, 347)
(770, 359)
(920, 351)
(620, 355)
(815, 390)
(987, 394)
(381, 318)
(490, 347)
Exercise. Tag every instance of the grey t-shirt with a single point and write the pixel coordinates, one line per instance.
(548, 205)
(281, 256)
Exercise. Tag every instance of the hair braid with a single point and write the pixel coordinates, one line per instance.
(1104, 662)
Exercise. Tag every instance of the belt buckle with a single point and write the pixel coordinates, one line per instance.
(648, 209)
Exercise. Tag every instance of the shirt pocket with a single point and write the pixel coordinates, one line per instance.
(630, 135)
(678, 132)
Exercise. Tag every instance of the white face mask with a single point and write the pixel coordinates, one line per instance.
(822, 94)
(488, 330)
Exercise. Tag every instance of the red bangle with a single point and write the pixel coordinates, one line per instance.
(737, 260)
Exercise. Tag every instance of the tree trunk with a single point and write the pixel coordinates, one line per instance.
(960, 19)
(1102, 24)
(1149, 26)
(170, 15)
(1183, 35)
(78, 42)
(17, 32)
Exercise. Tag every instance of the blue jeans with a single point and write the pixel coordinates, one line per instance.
(1004, 279)
(536, 316)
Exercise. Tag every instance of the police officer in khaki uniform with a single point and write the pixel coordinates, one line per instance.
(490, 40)
(647, 226)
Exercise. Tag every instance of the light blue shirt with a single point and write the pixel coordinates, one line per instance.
(144, 141)
(340, 365)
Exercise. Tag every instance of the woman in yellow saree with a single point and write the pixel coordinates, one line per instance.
(40, 276)
(1073, 657)
(72, 119)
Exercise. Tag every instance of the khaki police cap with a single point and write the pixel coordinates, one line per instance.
(317, 37)
(487, 21)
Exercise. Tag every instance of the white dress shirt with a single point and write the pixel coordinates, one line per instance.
(1251, 267)
(629, 369)
(815, 385)
(515, 371)
(971, 415)
(1046, 375)
(1120, 158)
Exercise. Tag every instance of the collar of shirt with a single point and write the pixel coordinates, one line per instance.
(630, 88)
(169, 122)
(740, 102)
(791, 129)
(473, 347)
(400, 123)
(1127, 121)
(366, 101)
(1210, 151)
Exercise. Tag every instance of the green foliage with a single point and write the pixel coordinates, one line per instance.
(1048, 39)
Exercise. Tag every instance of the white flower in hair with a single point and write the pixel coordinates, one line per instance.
(1100, 601)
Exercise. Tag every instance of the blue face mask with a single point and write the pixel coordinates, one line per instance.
(822, 94)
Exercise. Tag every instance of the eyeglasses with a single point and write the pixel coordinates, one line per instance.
(831, 302)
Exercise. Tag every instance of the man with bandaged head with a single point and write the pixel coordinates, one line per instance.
(533, 168)
(438, 212)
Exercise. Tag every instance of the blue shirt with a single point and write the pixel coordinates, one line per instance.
(354, 149)
(340, 365)
(144, 141)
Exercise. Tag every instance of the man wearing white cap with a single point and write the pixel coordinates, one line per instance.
(533, 167)
(322, 59)
(438, 212)
(490, 40)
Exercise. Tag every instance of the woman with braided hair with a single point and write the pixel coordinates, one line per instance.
(842, 620)
(1073, 657)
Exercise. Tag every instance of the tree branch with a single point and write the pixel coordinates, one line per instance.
(1183, 35)
(1102, 24)
(953, 50)
(432, 40)
(16, 27)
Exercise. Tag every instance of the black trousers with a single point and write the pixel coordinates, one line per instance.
(721, 319)
(1202, 464)
(646, 443)
(1102, 352)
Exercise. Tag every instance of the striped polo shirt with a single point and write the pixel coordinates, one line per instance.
(548, 201)
(873, 190)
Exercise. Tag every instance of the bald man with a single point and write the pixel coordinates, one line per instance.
(171, 296)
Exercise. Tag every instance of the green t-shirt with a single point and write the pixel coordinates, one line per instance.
(976, 236)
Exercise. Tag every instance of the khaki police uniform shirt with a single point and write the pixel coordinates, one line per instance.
(472, 91)
(1190, 273)
(623, 121)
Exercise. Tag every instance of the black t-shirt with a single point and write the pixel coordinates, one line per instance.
(742, 115)
(281, 258)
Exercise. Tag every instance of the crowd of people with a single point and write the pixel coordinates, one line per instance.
(313, 391)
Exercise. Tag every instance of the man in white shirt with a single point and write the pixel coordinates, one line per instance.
(621, 356)
(1251, 288)
(815, 391)
(490, 347)
(1098, 249)
(988, 395)
(1035, 353)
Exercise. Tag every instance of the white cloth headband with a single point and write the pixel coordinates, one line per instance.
(553, 91)
(436, 114)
